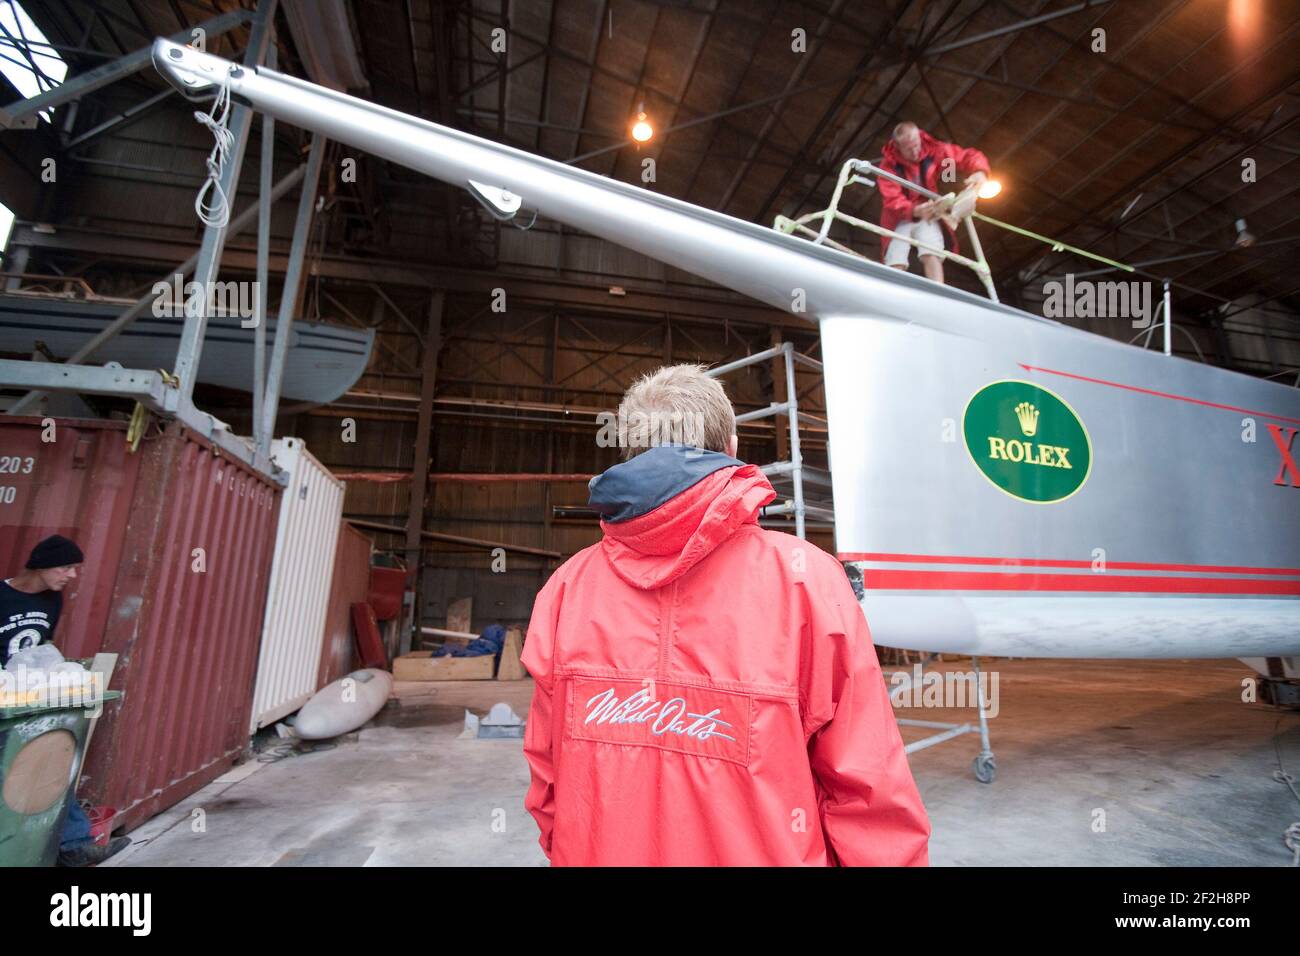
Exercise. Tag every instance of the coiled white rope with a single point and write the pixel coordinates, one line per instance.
(212, 204)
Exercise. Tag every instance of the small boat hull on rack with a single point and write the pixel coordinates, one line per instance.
(322, 363)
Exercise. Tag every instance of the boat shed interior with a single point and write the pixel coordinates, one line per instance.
(397, 458)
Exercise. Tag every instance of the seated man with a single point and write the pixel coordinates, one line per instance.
(30, 604)
(919, 158)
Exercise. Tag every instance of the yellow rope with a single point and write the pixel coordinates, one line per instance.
(139, 422)
(140, 416)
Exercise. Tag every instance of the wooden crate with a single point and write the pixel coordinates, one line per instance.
(422, 665)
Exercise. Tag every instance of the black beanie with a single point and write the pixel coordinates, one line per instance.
(54, 552)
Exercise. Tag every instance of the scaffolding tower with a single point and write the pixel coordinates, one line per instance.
(793, 474)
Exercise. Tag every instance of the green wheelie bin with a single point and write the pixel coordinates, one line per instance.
(41, 746)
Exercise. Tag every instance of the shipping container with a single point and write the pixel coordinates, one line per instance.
(311, 508)
(185, 620)
(74, 478)
(351, 585)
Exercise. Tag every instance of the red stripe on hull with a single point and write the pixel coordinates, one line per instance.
(886, 580)
(1059, 563)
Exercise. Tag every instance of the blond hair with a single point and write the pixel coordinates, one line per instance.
(675, 405)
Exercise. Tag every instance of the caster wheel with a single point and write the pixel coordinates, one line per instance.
(986, 768)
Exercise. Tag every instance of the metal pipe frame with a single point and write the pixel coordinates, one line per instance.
(1169, 322)
(289, 294)
(265, 173)
(985, 764)
(146, 387)
(789, 408)
(847, 177)
(796, 455)
(214, 237)
(205, 272)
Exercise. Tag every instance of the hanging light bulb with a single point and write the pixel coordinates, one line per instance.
(641, 128)
(989, 188)
(1244, 239)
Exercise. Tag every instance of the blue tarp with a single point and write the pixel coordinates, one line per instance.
(490, 641)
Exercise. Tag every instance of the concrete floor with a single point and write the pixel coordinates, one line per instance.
(1181, 768)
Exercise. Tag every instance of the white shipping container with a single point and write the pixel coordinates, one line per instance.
(293, 631)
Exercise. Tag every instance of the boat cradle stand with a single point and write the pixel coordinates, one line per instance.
(984, 765)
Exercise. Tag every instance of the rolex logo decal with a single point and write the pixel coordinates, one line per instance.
(1028, 418)
(1027, 441)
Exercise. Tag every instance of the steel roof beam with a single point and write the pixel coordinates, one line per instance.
(924, 54)
(23, 114)
(1164, 165)
(830, 20)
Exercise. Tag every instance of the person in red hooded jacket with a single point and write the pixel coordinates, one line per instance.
(919, 158)
(706, 690)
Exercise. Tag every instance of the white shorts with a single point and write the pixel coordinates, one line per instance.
(930, 233)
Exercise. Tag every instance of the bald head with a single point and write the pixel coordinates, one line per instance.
(907, 139)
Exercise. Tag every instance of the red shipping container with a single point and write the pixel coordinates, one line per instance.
(186, 623)
(187, 640)
(350, 585)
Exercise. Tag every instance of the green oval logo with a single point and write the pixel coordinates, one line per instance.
(1027, 441)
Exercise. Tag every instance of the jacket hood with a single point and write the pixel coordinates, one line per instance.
(672, 506)
(891, 155)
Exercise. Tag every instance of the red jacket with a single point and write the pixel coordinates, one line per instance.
(706, 691)
(897, 202)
